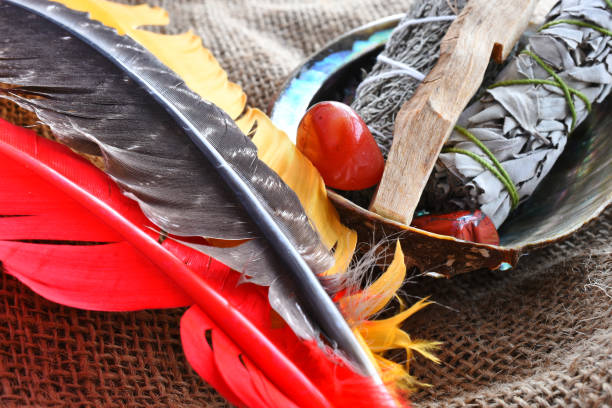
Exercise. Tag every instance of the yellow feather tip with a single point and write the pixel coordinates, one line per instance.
(382, 336)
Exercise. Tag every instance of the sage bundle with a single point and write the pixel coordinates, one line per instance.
(411, 51)
(507, 141)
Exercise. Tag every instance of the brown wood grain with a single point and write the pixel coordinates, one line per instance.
(483, 30)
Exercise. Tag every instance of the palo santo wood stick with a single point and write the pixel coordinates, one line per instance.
(483, 30)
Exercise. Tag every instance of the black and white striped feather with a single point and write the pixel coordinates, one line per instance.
(191, 169)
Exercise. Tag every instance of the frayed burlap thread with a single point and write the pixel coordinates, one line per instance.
(536, 336)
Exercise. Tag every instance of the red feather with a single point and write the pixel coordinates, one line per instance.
(40, 223)
(335, 380)
(68, 232)
(226, 364)
(200, 355)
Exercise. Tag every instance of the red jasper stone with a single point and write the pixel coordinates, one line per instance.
(466, 225)
(341, 147)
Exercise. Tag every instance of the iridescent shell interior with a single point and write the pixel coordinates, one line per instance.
(577, 189)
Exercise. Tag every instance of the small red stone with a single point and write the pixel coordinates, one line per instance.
(339, 144)
(466, 225)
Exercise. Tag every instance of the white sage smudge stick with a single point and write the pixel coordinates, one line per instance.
(410, 53)
(525, 121)
(524, 126)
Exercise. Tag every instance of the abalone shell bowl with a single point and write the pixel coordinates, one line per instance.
(578, 188)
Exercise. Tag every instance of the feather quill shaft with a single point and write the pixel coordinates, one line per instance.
(255, 344)
(113, 275)
(202, 121)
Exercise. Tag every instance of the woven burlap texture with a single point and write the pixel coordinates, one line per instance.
(536, 336)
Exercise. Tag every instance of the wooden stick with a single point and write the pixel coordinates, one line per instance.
(485, 29)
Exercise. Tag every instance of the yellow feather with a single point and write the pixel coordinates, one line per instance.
(393, 373)
(384, 335)
(376, 296)
(278, 152)
(380, 336)
(185, 55)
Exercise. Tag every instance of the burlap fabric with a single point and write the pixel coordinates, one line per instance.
(537, 336)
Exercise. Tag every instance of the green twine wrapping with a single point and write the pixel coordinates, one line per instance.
(573, 91)
(579, 23)
(561, 83)
(496, 168)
